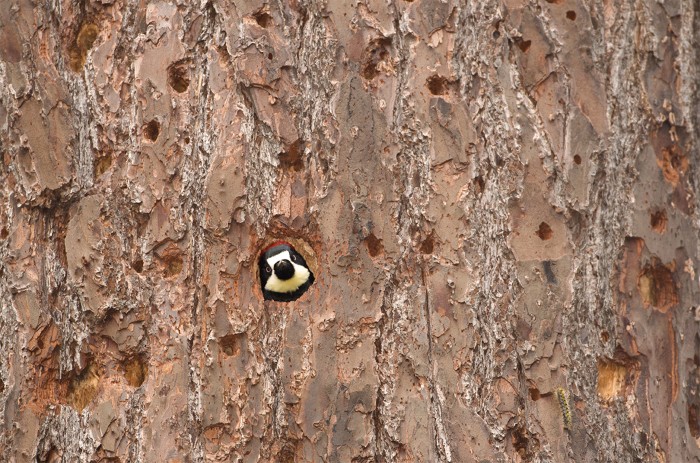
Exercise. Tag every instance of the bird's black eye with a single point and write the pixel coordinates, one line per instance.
(268, 269)
(294, 257)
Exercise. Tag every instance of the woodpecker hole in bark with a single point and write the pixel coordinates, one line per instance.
(437, 85)
(178, 76)
(544, 231)
(658, 221)
(152, 130)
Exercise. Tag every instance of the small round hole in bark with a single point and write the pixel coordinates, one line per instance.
(231, 344)
(52, 455)
(657, 287)
(152, 130)
(135, 371)
(263, 19)
(604, 336)
(83, 387)
(102, 164)
(137, 265)
(479, 184)
(658, 221)
(437, 85)
(292, 158)
(428, 245)
(571, 14)
(617, 376)
(77, 51)
(524, 45)
(544, 231)
(377, 51)
(496, 34)
(577, 159)
(173, 266)
(178, 76)
(374, 245)
(694, 419)
(269, 56)
(87, 36)
(534, 393)
(4, 233)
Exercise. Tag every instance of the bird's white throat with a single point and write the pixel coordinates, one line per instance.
(301, 275)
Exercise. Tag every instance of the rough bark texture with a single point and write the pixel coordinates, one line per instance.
(498, 199)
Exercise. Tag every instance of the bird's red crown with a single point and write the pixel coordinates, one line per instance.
(276, 243)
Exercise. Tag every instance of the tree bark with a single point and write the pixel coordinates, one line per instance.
(497, 198)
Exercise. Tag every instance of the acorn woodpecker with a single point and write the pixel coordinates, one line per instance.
(284, 274)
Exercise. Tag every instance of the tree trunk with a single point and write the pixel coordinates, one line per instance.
(497, 198)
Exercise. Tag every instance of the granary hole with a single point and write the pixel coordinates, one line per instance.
(544, 231)
(374, 245)
(151, 130)
(377, 51)
(657, 288)
(658, 221)
(437, 85)
(178, 76)
(135, 371)
(263, 19)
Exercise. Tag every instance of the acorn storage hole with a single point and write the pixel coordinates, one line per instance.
(137, 265)
(292, 158)
(525, 443)
(374, 245)
(263, 19)
(437, 84)
(524, 45)
(479, 185)
(152, 130)
(178, 76)
(617, 377)
(232, 344)
(102, 164)
(694, 420)
(135, 371)
(428, 245)
(657, 287)
(84, 386)
(85, 39)
(577, 159)
(571, 14)
(87, 36)
(52, 455)
(376, 52)
(544, 231)
(658, 221)
(173, 265)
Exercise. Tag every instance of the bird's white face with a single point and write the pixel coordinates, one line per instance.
(301, 275)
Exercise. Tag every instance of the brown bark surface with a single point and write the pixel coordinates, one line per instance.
(498, 200)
